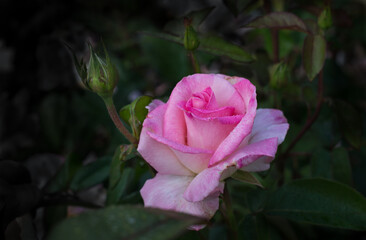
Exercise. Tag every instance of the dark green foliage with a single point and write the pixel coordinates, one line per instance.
(314, 55)
(315, 191)
(124, 222)
(319, 201)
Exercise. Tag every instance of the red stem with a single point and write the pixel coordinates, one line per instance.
(117, 121)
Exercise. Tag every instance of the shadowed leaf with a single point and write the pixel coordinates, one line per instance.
(279, 20)
(220, 47)
(247, 177)
(124, 222)
(314, 55)
(211, 44)
(342, 170)
(91, 174)
(319, 201)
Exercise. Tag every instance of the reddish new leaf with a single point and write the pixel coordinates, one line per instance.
(279, 20)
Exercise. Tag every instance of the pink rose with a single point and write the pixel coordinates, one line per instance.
(209, 128)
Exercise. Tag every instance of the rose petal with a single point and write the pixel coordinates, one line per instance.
(204, 99)
(209, 180)
(246, 90)
(205, 113)
(166, 192)
(194, 159)
(243, 129)
(174, 123)
(158, 155)
(196, 162)
(208, 133)
(154, 104)
(166, 155)
(269, 123)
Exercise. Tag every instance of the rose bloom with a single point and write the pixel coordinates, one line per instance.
(209, 128)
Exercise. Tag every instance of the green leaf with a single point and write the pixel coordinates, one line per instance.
(115, 169)
(321, 164)
(256, 199)
(350, 122)
(135, 113)
(124, 222)
(136, 109)
(213, 45)
(91, 174)
(313, 27)
(139, 107)
(313, 56)
(116, 193)
(319, 201)
(342, 170)
(256, 227)
(279, 20)
(220, 47)
(247, 177)
(120, 177)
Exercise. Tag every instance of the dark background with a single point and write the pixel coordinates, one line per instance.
(46, 114)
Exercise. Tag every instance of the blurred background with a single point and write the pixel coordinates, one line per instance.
(46, 115)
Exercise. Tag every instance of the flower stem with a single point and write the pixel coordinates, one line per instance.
(194, 62)
(229, 216)
(117, 121)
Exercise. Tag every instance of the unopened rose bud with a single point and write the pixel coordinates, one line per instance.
(325, 18)
(191, 41)
(101, 76)
(278, 74)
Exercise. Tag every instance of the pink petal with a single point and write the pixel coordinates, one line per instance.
(243, 129)
(210, 180)
(174, 123)
(158, 155)
(250, 153)
(207, 113)
(196, 162)
(208, 133)
(166, 156)
(204, 99)
(269, 123)
(177, 146)
(194, 159)
(154, 104)
(246, 90)
(166, 192)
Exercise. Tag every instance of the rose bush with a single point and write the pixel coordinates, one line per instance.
(209, 128)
